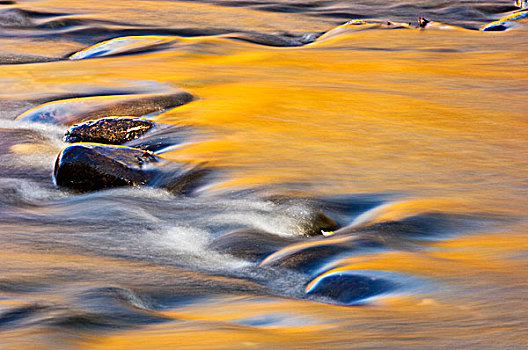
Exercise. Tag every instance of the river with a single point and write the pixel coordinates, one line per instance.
(413, 141)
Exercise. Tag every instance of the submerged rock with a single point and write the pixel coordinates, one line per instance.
(249, 244)
(317, 224)
(126, 45)
(111, 130)
(311, 221)
(88, 167)
(76, 110)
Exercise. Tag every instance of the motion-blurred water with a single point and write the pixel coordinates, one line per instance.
(413, 142)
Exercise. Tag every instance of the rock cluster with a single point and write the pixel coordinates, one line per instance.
(99, 158)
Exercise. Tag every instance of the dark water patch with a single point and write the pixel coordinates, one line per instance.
(100, 308)
(311, 256)
(39, 20)
(13, 108)
(21, 285)
(343, 14)
(19, 18)
(93, 35)
(494, 9)
(299, 5)
(347, 288)
(423, 228)
(20, 316)
(310, 259)
(305, 7)
(70, 22)
(106, 308)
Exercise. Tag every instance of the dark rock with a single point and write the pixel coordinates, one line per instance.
(111, 130)
(248, 244)
(88, 167)
(346, 288)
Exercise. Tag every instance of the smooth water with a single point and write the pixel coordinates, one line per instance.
(413, 141)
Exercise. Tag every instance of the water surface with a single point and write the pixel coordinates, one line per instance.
(414, 141)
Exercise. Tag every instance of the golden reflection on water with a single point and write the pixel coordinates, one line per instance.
(438, 116)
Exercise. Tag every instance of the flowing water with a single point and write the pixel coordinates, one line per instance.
(414, 141)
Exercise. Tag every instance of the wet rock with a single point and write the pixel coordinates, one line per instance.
(248, 244)
(89, 167)
(111, 130)
(347, 288)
